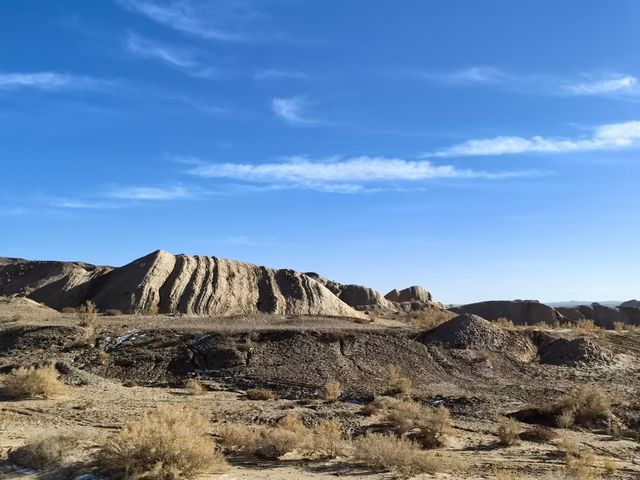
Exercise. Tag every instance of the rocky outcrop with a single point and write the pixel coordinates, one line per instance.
(167, 283)
(411, 294)
(520, 312)
(356, 296)
(603, 316)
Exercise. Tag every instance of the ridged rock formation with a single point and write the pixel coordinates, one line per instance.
(520, 312)
(411, 294)
(171, 284)
(356, 296)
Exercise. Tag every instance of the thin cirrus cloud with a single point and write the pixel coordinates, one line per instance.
(341, 175)
(612, 136)
(535, 83)
(216, 20)
(178, 58)
(276, 74)
(291, 109)
(149, 193)
(51, 81)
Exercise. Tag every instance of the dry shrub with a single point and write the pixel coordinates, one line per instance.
(431, 425)
(581, 466)
(238, 437)
(538, 435)
(45, 452)
(32, 382)
(501, 474)
(610, 467)
(388, 452)
(264, 441)
(114, 312)
(195, 387)
(171, 443)
(430, 318)
(332, 390)
(508, 432)
(87, 314)
(273, 443)
(69, 310)
(589, 405)
(327, 440)
(586, 325)
(504, 322)
(260, 394)
(618, 326)
(397, 382)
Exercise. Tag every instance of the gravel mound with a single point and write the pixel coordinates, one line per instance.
(575, 352)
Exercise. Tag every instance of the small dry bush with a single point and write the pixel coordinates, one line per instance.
(260, 394)
(32, 382)
(45, 452)
(87, 314)
(581, 466)
(332, 390)
(610, 467)
(388, 452)
(326, 440)
(171, 443)
(397, 383)
(586, 325)
(504, 322)
(195, 387)
(508, 432)
(264, 441)
(430, 426)
(430, 318)
(538, 435)
(588, 406)
(69, 310)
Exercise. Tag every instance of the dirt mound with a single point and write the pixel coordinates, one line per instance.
(166, 283)
(574, 352)
(471, 331)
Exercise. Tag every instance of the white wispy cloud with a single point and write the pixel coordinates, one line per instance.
(213, 20)
(613, 84)
(472, 75)
(291, 109)
(536, 83)
(342, 175)
(149, 193)
(179, 58)
(275, 74)
(51, 81)
(604, 137)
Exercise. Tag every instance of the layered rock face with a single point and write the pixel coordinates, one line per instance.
(602, 315)
(173, 284)
(520, 312)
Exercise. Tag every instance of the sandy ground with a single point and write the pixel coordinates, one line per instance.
(101, 406)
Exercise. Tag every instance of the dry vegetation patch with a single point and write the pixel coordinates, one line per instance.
(508, 432)
(171, 443)
(397, 382)
(332, 390)
(32, 382)
(389, 452)
(195, 387)
(429, 425)
(260, 394)
(45, 452)
(587, 406)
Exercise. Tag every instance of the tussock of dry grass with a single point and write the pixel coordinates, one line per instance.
(508, 432)
(326, 440)
(195, 387)
(45, 452)
(389, 452)
(32, 382)
(87, 314)
(397, 383)
(171, 443)
(589, 405)
(260, 394)
(332, 390)
(504, 322)
(430, 426)
(430, 318)
(581, 466)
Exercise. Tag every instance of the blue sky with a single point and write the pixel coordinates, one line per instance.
(485, 150)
